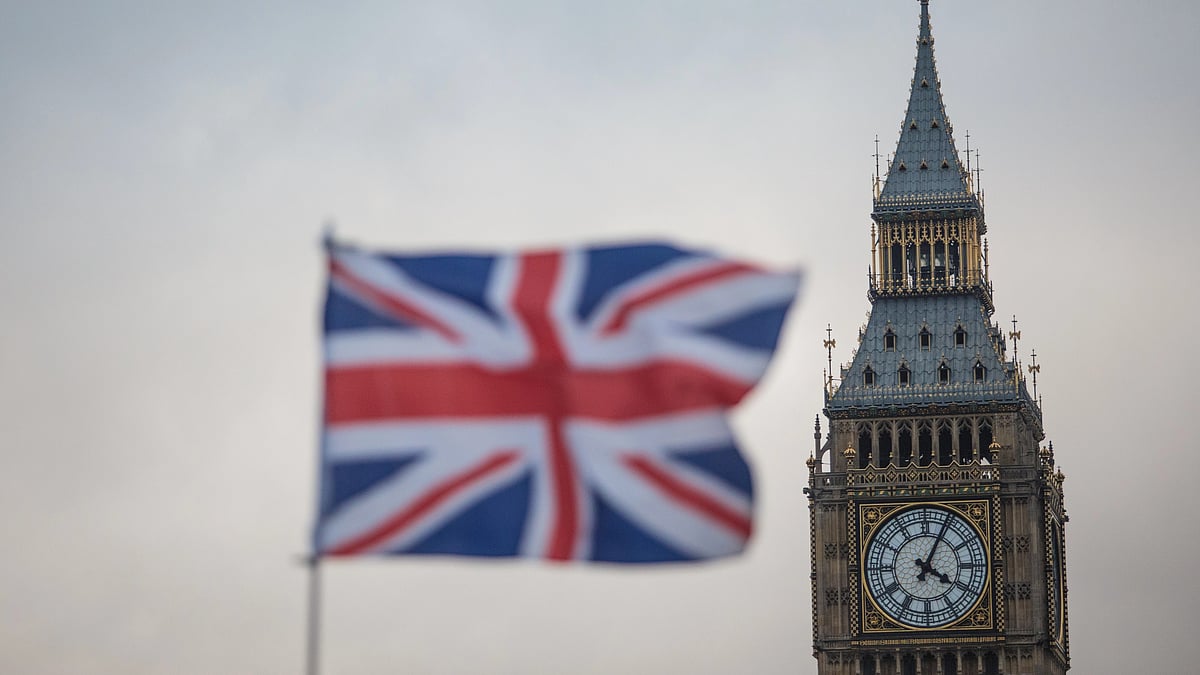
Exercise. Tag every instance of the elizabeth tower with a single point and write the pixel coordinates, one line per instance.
(937, 517)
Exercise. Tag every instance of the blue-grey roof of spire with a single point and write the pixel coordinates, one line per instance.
(944, 318)
(925, 172)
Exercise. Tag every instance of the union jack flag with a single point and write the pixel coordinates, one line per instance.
(567, 405)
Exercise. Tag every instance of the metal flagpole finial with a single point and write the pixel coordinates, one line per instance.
(328, 239)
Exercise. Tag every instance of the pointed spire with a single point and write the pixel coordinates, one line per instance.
(925, 173)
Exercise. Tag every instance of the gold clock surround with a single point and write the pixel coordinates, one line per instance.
(984, 616)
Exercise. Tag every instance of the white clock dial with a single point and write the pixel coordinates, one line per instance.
(925, 566)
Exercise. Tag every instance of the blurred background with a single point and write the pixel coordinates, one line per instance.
(165, 171)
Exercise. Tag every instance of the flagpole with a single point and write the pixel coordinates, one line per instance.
(312, 652)
(313, 648)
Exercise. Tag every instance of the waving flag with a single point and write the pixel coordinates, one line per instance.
(568, 405)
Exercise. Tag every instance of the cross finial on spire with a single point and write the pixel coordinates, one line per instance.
(877, 155)
(1035, 369)
(1015, 335)
(830, 343)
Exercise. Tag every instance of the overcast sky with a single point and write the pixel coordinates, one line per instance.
(165, 170)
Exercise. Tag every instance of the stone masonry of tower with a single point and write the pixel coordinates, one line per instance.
(936, 515)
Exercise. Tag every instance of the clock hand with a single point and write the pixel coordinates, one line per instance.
(929, 563)
(928, 568)
(924, 568)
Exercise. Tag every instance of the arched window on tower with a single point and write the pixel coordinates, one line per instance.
(905, 446)
(889, 340)
(903, 376)
(952, 262)
(980, 372)
(885, 444)
(945, 443)
(868, 377)
(926, 338)
(960, 336)
(865, 447)
(985, 441)
(897, 265)
(939, 263)
(966, 440)
(910, 270)
(924, 444)
(943, 374)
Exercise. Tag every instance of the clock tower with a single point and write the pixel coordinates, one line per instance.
(936, 513)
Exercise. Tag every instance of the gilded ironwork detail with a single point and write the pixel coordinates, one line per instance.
(972, 478)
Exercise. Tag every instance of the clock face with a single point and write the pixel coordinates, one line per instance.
(925, 566)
